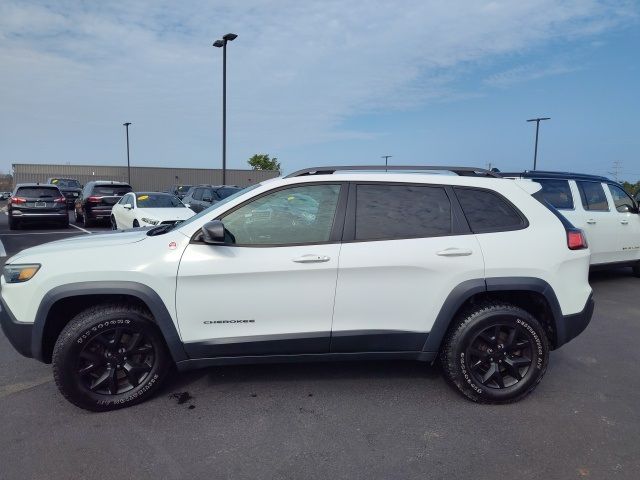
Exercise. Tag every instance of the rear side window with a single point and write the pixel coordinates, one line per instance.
(386, 212)
(37, 192)
(557, 193)
(593, 197)
(488, 212)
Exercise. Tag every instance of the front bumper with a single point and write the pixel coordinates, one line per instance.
(573, 325)
(18, 333)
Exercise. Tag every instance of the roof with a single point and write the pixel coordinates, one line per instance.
(34, 184)
(558, 175)
(108, 182)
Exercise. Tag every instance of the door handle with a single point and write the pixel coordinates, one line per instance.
(312, 259)
(591, 221)
(624, 222)
(454, 252)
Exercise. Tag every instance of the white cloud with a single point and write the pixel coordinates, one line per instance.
(297, 71)
(526, 73)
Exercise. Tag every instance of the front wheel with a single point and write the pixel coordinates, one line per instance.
(114, 224)
(496, 353)
(110, 356)
(636, 269)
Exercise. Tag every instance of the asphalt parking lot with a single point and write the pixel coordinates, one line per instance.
(339, 420)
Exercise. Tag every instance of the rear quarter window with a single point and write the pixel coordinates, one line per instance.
(487, 211)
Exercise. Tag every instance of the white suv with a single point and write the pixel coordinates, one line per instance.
(326, 263)
(601, 208)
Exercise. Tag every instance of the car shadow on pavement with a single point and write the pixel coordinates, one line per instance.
(622, 273)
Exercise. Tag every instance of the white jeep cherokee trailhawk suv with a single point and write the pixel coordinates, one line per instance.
(325, 263)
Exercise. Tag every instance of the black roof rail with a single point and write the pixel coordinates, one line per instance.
(559, 175)
(461, 171)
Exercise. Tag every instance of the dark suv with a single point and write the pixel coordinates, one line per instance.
(97, 199)
(202, 197)
(37, 202)
(179, 190)
(70, 188)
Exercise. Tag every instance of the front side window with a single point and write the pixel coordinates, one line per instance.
(623, 202)
(387, 212)
(291, 216)
(488, 212)
(593, 197)
(556, 192)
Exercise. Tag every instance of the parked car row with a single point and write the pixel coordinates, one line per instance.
(94, 202)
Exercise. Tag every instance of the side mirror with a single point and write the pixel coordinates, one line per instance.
(128, 206)
(188, 205)
(213, 232)
(624, 209)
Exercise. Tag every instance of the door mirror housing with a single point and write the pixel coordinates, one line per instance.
(213, 232)
(128, 206)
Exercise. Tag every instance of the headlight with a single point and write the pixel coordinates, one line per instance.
(150, 221)
(20, 273)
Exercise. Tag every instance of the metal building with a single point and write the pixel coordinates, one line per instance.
(142, 178)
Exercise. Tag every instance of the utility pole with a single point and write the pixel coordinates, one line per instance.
(535, 151)
(126, 126)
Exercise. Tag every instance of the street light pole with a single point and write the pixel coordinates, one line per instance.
(229, 37)
(126, 126)
(386, 161)
(535, 151)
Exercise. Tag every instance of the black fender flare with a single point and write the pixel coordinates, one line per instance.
(464, 291)
(135, 289)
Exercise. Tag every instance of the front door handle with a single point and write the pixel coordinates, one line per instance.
(312, 259)
(454, 252)
(591, 221)
(624, 222)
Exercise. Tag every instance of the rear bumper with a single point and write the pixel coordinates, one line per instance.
(19, 334)
(573, 325)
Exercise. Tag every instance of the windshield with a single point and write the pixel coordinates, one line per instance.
(66, 182)
(158, 200)
(165, 228)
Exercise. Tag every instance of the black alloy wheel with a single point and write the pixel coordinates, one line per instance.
(500, 356)
(115, 361)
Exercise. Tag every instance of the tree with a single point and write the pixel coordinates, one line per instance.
(261, 161)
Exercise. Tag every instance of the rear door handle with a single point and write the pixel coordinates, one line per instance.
(454, 252)
(591, 221)
(312, 259)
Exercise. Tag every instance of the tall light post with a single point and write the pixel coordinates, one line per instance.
(535, 151)
(386, 160)
(229, 37)
(126, 126)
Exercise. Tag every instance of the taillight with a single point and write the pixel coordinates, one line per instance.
(93, 199)
(576, 239)
(18, 200)
(60, 200)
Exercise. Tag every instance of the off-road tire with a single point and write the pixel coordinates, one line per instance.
(82, 341)
(462, 349)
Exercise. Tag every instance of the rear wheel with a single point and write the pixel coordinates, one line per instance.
(110, 356)
(86, 221)
(135, 224)
(636, 269)
(497, 353)
(65, 223)
(114, 224)
(77, 217)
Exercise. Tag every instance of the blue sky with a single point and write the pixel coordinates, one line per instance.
(313, 83)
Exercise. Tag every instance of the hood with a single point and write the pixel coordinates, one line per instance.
(82, 242)
(164, 214)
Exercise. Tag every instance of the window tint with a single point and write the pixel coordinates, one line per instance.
(197, 194)
(592, 196)
(488, 212)
(621, 199)
(557, 193)
(37, 192)
(110, 190)
(401, 211)
(291, 216)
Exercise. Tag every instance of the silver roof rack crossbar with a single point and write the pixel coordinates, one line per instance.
(461, 171)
